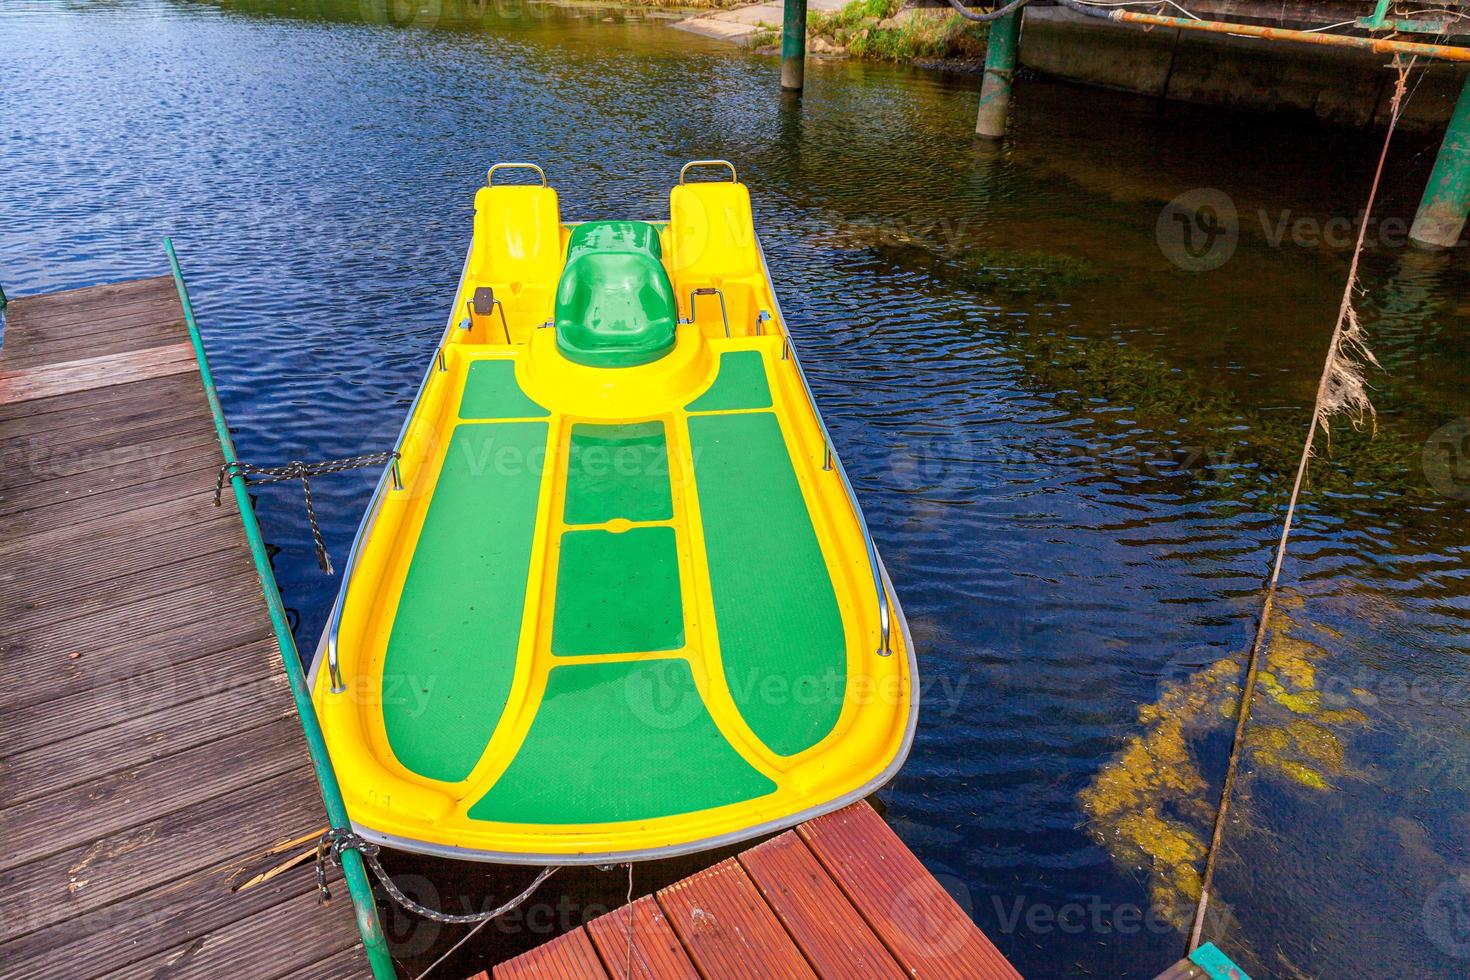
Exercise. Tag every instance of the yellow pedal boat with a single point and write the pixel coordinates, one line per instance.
(615, 600)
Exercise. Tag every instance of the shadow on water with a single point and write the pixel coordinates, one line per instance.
(1070, 427)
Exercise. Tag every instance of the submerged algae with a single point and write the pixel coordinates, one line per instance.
(1151, 806)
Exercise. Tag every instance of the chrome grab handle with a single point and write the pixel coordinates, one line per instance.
(831, 461)
(490, 177)
(709, 163)
(709, 291)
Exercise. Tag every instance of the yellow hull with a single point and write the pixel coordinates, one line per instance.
(408, 786)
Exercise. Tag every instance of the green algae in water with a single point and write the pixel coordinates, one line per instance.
(1151, 806)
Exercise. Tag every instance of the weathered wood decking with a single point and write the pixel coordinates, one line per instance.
(150, 756)
(838, 897)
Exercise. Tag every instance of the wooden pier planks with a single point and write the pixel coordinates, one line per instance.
(657, 953)
(148, 747)
(840, 896)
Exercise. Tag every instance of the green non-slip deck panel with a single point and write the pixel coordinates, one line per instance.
(739, 383)
(452, 650)
(618, 471)
(781, 633)
(617, 593)
(629, 740)
(491, 392)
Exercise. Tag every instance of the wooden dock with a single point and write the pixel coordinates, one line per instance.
(150, 755)
(152, 763)
(838, 897)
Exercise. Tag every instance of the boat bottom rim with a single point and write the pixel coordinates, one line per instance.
(713, 842)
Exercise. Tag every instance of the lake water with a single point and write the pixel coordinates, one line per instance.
(1072, 449)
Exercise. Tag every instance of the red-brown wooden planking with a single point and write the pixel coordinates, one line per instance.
(727, 927)
(567, 957)
(921, 925)
(834, 937)
(657, 954)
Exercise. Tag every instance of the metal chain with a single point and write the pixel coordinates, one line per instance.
(329, 851)
(299, 470)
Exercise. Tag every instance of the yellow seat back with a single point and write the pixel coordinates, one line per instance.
(517, 249)
(711, 231)
(517, 234)
(712, 244)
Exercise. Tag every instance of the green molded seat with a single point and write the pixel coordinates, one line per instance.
(615, 304)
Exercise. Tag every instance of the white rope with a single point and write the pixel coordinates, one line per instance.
(628, 973)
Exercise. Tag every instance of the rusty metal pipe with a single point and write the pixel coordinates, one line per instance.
(1379, 45)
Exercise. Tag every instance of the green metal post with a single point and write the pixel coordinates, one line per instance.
(793, 46)
(1000, 72)
(363, 903)
(3, 301)
(1446, 201)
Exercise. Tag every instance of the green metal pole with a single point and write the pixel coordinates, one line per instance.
(793, 46)
(1446, 200)
(358, 886)
(1000, 73)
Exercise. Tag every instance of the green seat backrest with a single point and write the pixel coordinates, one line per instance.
(615, 304)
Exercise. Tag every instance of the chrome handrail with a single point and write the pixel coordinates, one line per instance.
(490, 176)
(494, 304)
(370, 516)
(709, 291)
(832, 461)
(709, 163)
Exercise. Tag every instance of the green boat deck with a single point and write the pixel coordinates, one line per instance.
(620, 695)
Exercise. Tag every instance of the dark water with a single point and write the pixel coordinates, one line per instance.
(1073, 451)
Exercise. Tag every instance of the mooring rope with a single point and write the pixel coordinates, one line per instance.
(628, 972)
(298, 470)
(1340, 388)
